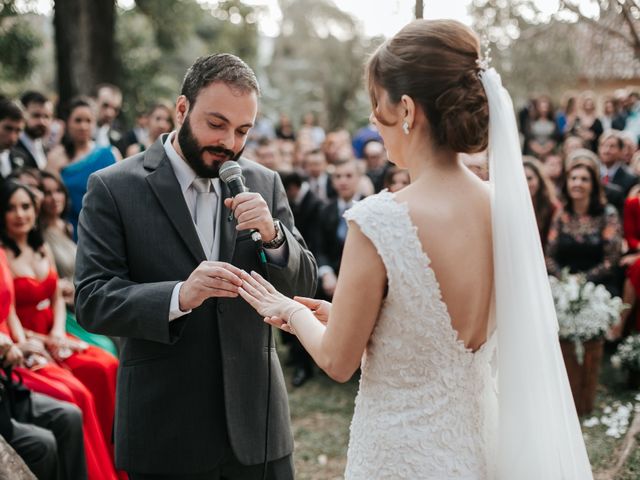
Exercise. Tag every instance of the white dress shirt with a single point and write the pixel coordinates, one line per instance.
(35, 148)
(5, 164)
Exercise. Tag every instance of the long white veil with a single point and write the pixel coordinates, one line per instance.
(539, 434)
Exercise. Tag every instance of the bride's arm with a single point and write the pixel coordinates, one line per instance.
(338, 347)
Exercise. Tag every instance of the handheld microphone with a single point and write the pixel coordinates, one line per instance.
(231, 175)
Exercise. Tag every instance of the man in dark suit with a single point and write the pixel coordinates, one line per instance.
(38, 115)
(158, 263)
(306, 208)
(109, 103)
(613, 171)
(315, 165)
(11, 125)
(332, 228)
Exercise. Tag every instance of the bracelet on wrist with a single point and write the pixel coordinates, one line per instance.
(290, 317)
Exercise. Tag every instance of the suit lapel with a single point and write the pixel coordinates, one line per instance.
(166, 188)
(228, 232)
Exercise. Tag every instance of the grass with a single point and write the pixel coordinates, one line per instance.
(321, 412)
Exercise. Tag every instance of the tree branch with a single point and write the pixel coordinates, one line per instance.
(628, 17)
(604, 28)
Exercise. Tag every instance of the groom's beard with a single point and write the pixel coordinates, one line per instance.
(194, 152)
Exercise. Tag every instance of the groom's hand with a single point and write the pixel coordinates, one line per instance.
(209, 279)
(252, 213)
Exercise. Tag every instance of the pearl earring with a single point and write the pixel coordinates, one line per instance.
(405, 127)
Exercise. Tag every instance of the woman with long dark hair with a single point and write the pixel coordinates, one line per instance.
(543, 196)
(78, 156)
(39, 304)
(57, 233)
(586, 235)
(42, 373)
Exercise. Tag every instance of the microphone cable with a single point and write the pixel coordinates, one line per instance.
(262, 260)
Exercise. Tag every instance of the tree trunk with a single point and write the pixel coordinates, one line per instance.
(85, 45)
(419, 8)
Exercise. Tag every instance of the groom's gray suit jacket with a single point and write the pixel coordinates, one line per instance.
(189, 387)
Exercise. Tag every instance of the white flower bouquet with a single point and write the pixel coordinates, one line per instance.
(628, 354)
(585, 311)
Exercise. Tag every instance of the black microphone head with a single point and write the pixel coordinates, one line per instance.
(231, 174)
(230, 170)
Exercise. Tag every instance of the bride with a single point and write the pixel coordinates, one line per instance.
(443, 299)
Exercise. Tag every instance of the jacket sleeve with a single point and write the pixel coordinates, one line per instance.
(107, 301)
(300, 274)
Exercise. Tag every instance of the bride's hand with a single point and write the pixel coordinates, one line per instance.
(320, 308)
(265, 299)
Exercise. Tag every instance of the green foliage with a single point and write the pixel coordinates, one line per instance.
(318, 63)
(18, 44)
(158, 41)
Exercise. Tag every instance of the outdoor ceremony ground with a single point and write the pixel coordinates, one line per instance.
(321, 411)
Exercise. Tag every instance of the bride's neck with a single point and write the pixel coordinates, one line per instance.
(425, 161)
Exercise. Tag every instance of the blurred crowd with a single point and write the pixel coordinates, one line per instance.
(582, 166)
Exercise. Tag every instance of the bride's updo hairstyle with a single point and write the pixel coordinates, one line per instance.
(435, 62)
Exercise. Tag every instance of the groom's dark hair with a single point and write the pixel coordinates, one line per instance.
(219, 67)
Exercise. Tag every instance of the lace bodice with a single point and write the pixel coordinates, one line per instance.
(419, 412)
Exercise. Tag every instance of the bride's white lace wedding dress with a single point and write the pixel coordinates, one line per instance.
(420, 410)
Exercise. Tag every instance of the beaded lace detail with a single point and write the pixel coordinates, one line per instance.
(418, 413)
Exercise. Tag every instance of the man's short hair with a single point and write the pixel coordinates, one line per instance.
(32, 96)
(220, 67)
(10, 110)
(611, 133)
(290, 179)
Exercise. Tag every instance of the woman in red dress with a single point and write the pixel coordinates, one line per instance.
(631, 289)
(36, 292)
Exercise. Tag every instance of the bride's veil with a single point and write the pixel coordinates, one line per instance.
(538, 435)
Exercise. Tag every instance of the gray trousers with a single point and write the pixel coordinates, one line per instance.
(52, 445)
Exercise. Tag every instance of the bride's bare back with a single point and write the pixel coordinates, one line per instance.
(453, 216)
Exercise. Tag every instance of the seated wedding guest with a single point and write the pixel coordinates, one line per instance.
(634, 167)
(332, 227)
(585, 235)
(377, 164)
(79, 156)
(315, 165)
(39, 304)
(571, 144)
(306, 208)
(396, 179)
(630, 147)
(57, 231)
(587, 126)
(310, 129)
(11, 125)
(541, 134)
(48, 437)
(267, 154)
(477, 163)
(613, 171)
(543, 196)
(38, 114)
(288, 158)
(284, 128)
(40, 374)
(30, 177)
(553, 167)
(631, 287)
(159, 121)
